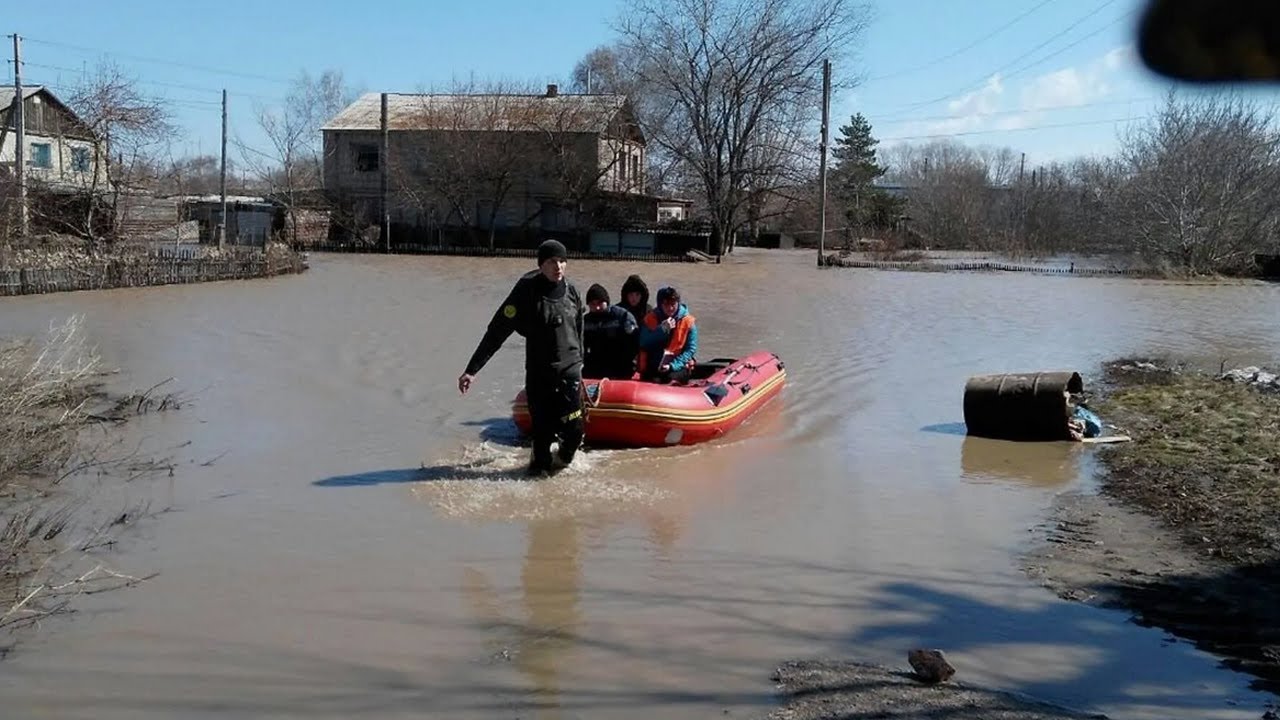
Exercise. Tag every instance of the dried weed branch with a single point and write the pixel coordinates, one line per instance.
(49, 394)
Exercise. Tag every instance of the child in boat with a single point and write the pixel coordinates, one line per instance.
(610, 338)
(635, 298)
(668, 340)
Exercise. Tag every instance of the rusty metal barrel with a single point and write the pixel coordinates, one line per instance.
(1020, 406)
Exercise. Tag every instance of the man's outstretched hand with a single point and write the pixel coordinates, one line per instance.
(464, 383)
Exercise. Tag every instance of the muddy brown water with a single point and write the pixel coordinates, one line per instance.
(357, 546)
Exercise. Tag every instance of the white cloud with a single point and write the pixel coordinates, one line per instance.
(1077, 85)
(1063, 87)
(979, 102)
(1013, 122)
(1125, 56)
(995, 106)
(968, 112)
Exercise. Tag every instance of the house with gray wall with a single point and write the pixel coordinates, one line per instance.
(516, 165)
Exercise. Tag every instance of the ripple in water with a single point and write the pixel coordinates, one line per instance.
(488, 483)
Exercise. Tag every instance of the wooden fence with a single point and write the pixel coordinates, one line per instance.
(465, 251)
(979, 266)
(142, 272)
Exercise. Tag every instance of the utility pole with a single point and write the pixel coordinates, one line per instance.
(385, 170)
(222, 227)
(822, 161)
(1022, 197)
(20, 128)
(588, 79)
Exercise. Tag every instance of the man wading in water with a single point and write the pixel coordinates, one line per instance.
(546, 310)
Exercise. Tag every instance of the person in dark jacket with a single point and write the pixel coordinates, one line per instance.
(546, 310)
(611, 338)
(635, 298)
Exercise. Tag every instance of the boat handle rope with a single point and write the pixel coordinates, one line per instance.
(587, 402)
(745, 366)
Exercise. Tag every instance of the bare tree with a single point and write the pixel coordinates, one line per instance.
(199, 174)
(1001, 164)
(1062, 207)
(1195, 190)
(949, 192)
(729, 78)
(1203, 187)
(476, 151)
(581, 166)
(130, 126)
(602, 71)
(608, 70)
(295, 164)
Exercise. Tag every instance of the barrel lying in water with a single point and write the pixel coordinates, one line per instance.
(1020, 406)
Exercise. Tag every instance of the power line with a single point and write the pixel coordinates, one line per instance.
(983, 80)
(182, 102)
(159, 61)
(249, 148)
(1068, 47)
(1019, 111)
(900, 117)
(964, 49)
(161, 83)
(1112, 121)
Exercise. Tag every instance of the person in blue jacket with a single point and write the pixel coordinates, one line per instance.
(668, 340)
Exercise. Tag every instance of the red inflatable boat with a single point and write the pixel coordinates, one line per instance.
(720, 395)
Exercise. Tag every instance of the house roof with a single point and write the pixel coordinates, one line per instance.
(565, 113)
(6, 101)
(6, 94)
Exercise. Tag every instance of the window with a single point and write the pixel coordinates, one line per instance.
(41, 155)
(366, 155)
(80, 159)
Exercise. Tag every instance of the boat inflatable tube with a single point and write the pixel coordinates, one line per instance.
(720, 395)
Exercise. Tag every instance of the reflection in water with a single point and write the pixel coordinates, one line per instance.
(1039, 464)
(538, 644)
(664, 531)
(550, 580)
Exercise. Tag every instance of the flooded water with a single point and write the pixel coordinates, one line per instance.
(347, 536)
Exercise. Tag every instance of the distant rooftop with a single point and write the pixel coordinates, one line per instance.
(565, 113)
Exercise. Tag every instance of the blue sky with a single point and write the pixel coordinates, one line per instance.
(1053, 78)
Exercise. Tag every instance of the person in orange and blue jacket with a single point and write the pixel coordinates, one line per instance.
(668, 340)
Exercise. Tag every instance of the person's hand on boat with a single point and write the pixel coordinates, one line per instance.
(464, 383)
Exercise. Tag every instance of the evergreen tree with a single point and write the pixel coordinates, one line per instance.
(854, 175)
(855, 153)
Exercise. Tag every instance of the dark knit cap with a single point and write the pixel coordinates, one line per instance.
(551, 249)
(597, 293)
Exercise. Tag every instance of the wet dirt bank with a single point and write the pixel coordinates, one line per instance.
(1183, 532)
(1180, 531)
(820, 690)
